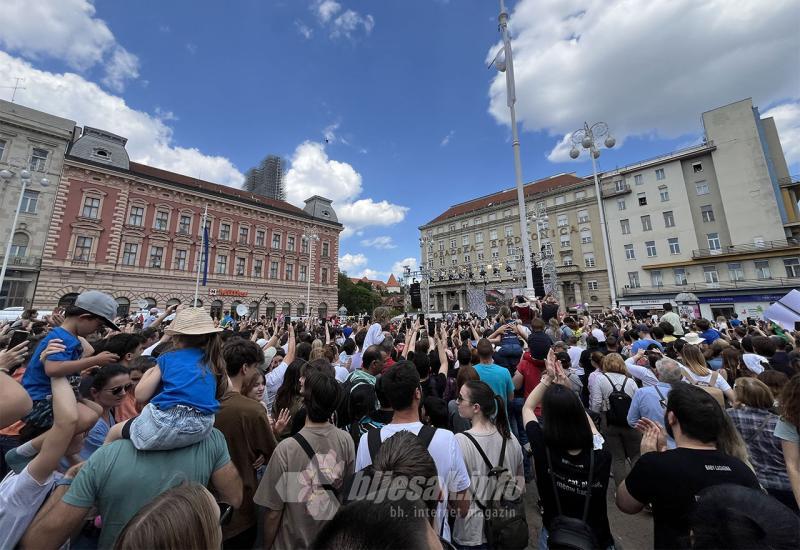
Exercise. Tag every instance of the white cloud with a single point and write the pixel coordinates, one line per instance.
(149, 136)
(398, 268)
(381, 243)
(312, 172)
(350, 262)
(373, 274)
(341, 23)
(191, 47)
(67, 30)
(326, 9)
(306, 31)
(646, 71)
(330, 135)
(446, 139)
(787, 120)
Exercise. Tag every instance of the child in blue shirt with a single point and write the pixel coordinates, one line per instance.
(191, 379)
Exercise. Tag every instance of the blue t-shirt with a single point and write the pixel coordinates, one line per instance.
(498, 378)
(35, 380)
(644, 344)
(186, 380)
(735, 322)
(710, 335)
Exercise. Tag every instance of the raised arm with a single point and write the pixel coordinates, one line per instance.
(167, 312)
(65, 420)
(291, 346)
(148, 385)
(441, 346)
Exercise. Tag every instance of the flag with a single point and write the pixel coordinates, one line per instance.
(205, 255)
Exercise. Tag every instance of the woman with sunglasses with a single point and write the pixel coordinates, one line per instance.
(110, 385)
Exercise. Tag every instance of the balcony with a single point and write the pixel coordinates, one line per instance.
(22, 261)
(608, 193)
(567, 269)
(747, 284)
(750, 248)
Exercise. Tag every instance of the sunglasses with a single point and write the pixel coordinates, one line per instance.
(119, 389)
(460, 399)
(225, 513)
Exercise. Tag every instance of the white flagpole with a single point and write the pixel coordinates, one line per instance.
(200, 257)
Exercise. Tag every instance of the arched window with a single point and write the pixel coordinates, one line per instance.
(301, 309)
(173, 302)
(19, 245)
(270, 310)
(216, 309)
(123, 307)
(68, 299)
(254, 310)
(322, 310)
(287, 308)
(234, 305)
(151, 303)
(198, 303)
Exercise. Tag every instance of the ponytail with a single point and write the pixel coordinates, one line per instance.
(501, 418)
(493, 407)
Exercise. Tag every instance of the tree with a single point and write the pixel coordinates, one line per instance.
(358, 297)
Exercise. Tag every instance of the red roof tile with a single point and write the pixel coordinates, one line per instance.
(392, 281)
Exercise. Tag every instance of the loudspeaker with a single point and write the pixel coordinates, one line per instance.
(538, 280)
(416, 297)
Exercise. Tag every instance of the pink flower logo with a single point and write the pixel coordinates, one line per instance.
(320, 503)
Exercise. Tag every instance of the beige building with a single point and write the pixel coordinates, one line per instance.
(719, 219)
(33, 141)
(478, 242)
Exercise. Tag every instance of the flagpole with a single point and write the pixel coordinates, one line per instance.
(200, 257)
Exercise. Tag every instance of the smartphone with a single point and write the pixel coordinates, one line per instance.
(797, 326)
(286, 321)
(431, 327)
(17, 337)
(751, 321)
(408, 324)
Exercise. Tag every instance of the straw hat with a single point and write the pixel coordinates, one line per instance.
(693, 338)
(192, 321)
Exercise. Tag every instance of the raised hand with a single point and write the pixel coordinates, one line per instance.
(10, 358)
(654, 436)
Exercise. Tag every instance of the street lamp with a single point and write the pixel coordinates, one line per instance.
(506, 65)
(588, 138)
(25, 178)
(426, 274)
(310, 238)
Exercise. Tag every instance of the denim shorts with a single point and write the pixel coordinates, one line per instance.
(173, 428)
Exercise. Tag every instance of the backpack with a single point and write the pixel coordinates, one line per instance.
(504, 522)
(568, 532)
(344, 412)
(327, 485)
(374, 440)
(710, 387)
(619, 403)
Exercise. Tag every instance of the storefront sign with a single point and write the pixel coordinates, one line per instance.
(742, 298)
(227, 292)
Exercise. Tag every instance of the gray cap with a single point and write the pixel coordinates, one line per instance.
(100, 304)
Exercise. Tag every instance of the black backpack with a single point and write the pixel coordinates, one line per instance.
(619, 403)
(504, 522)
(374, 440)
(566, 532)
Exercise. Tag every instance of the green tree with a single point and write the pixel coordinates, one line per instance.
(357, 297)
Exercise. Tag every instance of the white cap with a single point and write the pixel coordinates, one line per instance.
(599, 334)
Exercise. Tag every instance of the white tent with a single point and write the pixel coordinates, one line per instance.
(786, 311)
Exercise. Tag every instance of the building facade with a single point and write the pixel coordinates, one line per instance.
(267, 178)
(136, 232)
(479, 243)
(719, 219)
(33, 141)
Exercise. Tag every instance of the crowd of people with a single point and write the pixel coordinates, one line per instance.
(175, 430)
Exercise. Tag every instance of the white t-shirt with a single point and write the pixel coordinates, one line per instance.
(374, 336)
(642, 373)
(446, 453)
(21, 496)
(341, 373)
(721, 382)
(574, 353)
(753, 362)
(274, 381)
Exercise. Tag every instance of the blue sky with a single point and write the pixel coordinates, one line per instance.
(400, 88)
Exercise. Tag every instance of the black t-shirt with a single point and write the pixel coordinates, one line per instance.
(572, 474)
(670, 480)
(434, 386)
(549, 311)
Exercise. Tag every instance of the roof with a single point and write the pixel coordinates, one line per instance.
(392, 281)
(370, 281)
(533, 188)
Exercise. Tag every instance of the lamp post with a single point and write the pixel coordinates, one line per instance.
(25, 178)
(425, 273)
(506, 65)
(588, 137)
(310, 238)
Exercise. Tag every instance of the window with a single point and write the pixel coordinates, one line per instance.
(452, 243)
(129, 252)
(156, 256)
(547, 249)
(326, 247)
(656, 279)
(566, 260)
(492, 216)
(495, 254)
(137, 216)
(258, 267)
(638, 179)
(625, 225)
(735, 272)
(244, 236)
(161, 220)
(583, 216)
(83, 249)
(792, 266)
(710, 274)
(642, 198)
(225, 231)
(680, 276)
(701, 187)
(451, 227)
(646, 224)
(674, 245)
(290, 272)
(592, 285)
(276, 240)
(290, 240)
(91, 208)
(180, 259)
(561, 199)
(222, 263)
(762, 269)
(19, 245)
(273, 270)
(707, 212)
(240, 265)
(464, 240)
(565, 241)
(184, 224)
(663, 193)
(464, 224)
(630, 254)
(633, 279)
(477, 221)
(2, 147)
(660, 174)
(453, 261)
(669, 219)
(478, 238)
(713, 241)
(586, 236)
(480, 256)
(580, 195)
(38, 160)
(619, 185)
(260, 240)
(509, 231)
(493, 235)
(620, 204)
(303, 273)
(441, 262)
(588, 260)
(507, 213)
(651, 248)
(467, 259)
(441, 245)
(563, 221)
(29, 202)
(697, 167)
(324, 276)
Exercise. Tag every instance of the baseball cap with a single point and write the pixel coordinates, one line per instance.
(643, 328)
(100, 304)
(599, 334)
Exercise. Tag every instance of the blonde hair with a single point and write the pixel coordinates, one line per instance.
(317, 353)
(694, 360)
(380, 315)
(753, 393)
(316, 344)
(613, 362)
(181, 518)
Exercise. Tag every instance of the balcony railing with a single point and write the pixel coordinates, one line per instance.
(22, 261)
(613, 192)
(747, 248)
(564, 269)
(747, 284)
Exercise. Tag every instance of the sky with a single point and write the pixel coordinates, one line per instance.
(388, 107)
